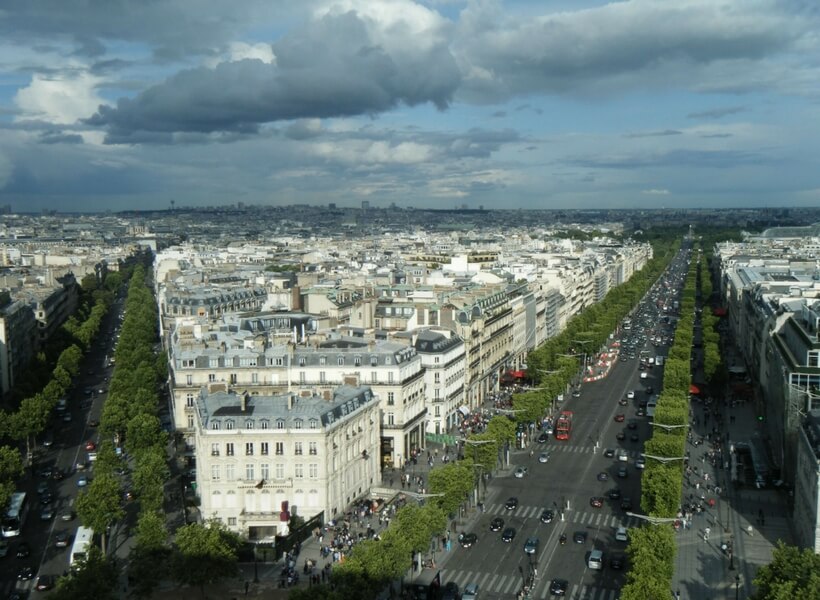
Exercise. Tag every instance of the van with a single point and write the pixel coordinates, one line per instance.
(621, 534)
(596, 560)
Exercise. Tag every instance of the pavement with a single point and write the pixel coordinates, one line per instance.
(702, 568)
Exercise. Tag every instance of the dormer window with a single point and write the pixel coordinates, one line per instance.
(264, 424)
(341, 361)
(387, 360)
(374, 361)
(214, 425)
(280, 424)
(322, 360)
(249, 424)
(314, 423)
(302, 361)
(297, 424)
(229, 424)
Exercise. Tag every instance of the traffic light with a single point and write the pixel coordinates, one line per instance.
(759, 417)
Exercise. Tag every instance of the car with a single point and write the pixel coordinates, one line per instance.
(544, 457)
(520, 472)
(616, 563)
(620, 436)
(25, 574)
(82, 481)
(614, 494)
(467, 539)
(626, 504)
(511, 503)
(547, 515)
(634, 438)
(640, 462)
(641, 412)
(61, 539)
(23, 550)
(644, 374)
(579, 537)
(632, 425)
(4, 548)
(630, 394)
(576, 393)
(558, 587)
(470, 592)
(87, 391)
(44, 582)
(596, 502)
(543, 438)
(623, 456)
(93, 423)
(603, 476)
(57, 474)
(508, 535)
(46, 513)
(531, 545)
(497, 524)
(66, 417)
(67, 515)
(621, 534)
(450, 591)
(649, 390)
(619, 418)
(46, 472)
(623, 402)
(609, 452)
(90, 446)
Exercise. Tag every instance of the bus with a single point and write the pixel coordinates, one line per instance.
(82, 541)
(15, 516)
(563, 426)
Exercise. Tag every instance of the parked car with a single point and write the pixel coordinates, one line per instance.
(44, 582)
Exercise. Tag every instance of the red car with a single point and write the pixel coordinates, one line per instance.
(619, 418)
(90, 446)
(596, 502)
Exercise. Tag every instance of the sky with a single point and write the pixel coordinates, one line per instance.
(544, 104)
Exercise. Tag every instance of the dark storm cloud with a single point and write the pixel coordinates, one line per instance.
(58, 137)
(89, 46)
(716, 113)
(332, 69)
(664, 133)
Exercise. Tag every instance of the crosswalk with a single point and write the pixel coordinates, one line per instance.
(585, 449)
(588, 518)
(506, 586)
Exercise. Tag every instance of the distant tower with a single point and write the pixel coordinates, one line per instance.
(172, 206)
(365, 204)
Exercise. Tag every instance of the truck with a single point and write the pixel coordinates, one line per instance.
(659, 360)
(563, 426)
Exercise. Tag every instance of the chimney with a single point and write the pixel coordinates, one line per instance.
(290, 401)
(243, 399)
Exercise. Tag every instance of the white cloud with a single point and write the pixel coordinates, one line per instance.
(60, 99)
(656, 192)
(242, 51)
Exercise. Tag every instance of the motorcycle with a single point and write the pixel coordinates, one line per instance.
(563, 539)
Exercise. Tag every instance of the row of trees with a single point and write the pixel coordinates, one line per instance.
(48, 378)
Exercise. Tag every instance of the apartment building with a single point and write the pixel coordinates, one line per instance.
(18, 339)
(261, 459)
(807, 483)
(443, 358)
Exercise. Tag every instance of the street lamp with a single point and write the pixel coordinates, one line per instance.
(665, 459)
(651, 520)
(737, 587)
(667, 427)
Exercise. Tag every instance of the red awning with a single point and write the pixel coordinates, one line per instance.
(516, 374)
(693, 389)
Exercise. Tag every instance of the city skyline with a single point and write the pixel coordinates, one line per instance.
(436, 104)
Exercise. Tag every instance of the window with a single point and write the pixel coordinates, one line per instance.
(322, 360)
(341, 361)
(391, 398)
(233, 377)
(297, 424)
(436, 377)
(211, 377)
(248, 423)
(190, 421)
(279, 471)
(301, 361)
(264, 423)
(436, 359)
(374, 377)
(313, 471)
(280, 448)
(297, 448)
(322, 377)
(387, 360)
(229, 424)
(254, 377)
(357, 361)
(189, 400)
(391, 419)
(302, 377)
(312, 448)
(231, 521)
(229, 449)
(264, 471)
(263, 448)
(390, 377)
(280, 423)
(230, 472)
(299, 471)
(249, 472)
(314, 423)
(214, 425)
(214, 449)
(279, 361)
(248, 448)
(189, 380)
(214, 472)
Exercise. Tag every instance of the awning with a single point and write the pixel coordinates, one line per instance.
(516, 374)
(693, 389)
(464, 410)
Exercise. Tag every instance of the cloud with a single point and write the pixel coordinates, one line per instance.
(664, 133)
(716, 113)
(340, 65)
(58, 100)
(656, 192)
(58, 137)
(716, 159)
(304, 129)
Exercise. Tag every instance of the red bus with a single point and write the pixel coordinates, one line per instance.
(563, 426)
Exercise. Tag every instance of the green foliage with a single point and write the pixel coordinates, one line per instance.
(204, 554)
(144, 431)
(455, 481)
(417, 525)
(11, 467)
(95, 577)
(794, 573)
(651, 553)
(100, 504)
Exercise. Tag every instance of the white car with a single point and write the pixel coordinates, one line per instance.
(644, 374)
(623, 456)
(640, 462)
(544, 457)
(631, 394)
(520, 472)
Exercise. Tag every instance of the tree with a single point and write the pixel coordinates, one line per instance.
(148, 560)
(29, 420)
(418, 525)
(793, 573)
(455, 481)
(204, 554)
(143, 431)
(100, 505)
(96, 577)
(11, 467)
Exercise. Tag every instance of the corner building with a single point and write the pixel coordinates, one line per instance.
(254, 453)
